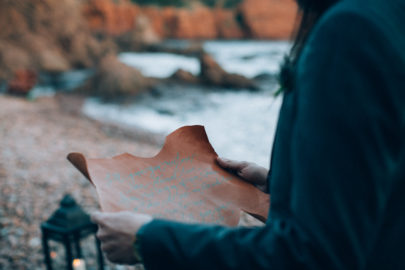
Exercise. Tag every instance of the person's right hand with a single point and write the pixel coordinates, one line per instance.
(248, 171)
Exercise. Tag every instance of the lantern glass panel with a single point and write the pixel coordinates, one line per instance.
(65, 238)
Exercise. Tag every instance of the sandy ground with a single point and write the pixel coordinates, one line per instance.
(35, 137)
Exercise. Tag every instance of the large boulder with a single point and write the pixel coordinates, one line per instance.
(213, 74)
(140, 38)
(113, 79)
(85, 51)
(268, 19)
(46, 54)
(184, 76)
(210, 71)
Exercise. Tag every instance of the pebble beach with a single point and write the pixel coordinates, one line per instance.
(35, 137)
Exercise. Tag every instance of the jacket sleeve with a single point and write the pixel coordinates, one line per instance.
(342, 157)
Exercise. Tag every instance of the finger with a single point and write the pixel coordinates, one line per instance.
(97, 217)
(231, 164)
(114, 257)
(103, 235)
(121, 257)
(108, 247)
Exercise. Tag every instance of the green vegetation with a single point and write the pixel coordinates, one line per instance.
(224, 3)
(181, 3)
(176, 3)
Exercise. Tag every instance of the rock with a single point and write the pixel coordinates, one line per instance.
(210, 71)
(45, 54)
(230, 80)
(253, 19)
(85, 51)
(185, 77)
(54, 37)
(140, 38)
(113, 17)
(189, 48)
(161, 19)
(52, 61)
(13, 58)
(13, 240)
(265, 77)
(182, 23)
(268, 19)
(213, 74)
(23, 82)
(196, 23)
(145, 31)
(35, 242)
(227, 25)
(114, 79)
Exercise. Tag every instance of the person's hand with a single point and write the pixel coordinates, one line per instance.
(116, 232)
(248, 171)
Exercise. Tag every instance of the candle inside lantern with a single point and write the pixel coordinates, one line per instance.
(79, 264)
(54, 254)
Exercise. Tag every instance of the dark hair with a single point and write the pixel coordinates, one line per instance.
(308, 16)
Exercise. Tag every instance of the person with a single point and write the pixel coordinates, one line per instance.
(337, 179)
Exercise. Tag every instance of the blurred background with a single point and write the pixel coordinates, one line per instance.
(104, 77)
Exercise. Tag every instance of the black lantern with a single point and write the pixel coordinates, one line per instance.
(68, 225)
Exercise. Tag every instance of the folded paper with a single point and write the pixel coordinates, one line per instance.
(183, 182)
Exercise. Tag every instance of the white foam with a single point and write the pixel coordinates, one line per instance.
(248, 58)
(240, 125)
(160, 65)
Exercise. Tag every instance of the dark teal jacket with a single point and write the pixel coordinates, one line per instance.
(338, 164)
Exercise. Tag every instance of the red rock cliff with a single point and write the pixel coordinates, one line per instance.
(54, 36)
(45, 35)
(113, 17)
(259, 19)
(263, 19)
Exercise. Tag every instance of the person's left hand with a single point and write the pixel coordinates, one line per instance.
(116, 232)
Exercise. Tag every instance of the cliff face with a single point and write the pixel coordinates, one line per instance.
(268, 19)
(45, 35)
(259, 19)
(112, 17)
(55, 36)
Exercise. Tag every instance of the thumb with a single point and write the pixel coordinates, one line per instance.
(97, 217)
(231, 164)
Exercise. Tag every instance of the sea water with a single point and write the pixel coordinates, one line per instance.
(240, 123)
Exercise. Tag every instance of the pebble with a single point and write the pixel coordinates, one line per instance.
(35, 242)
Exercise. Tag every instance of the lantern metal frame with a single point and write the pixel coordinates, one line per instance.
(68, 225)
